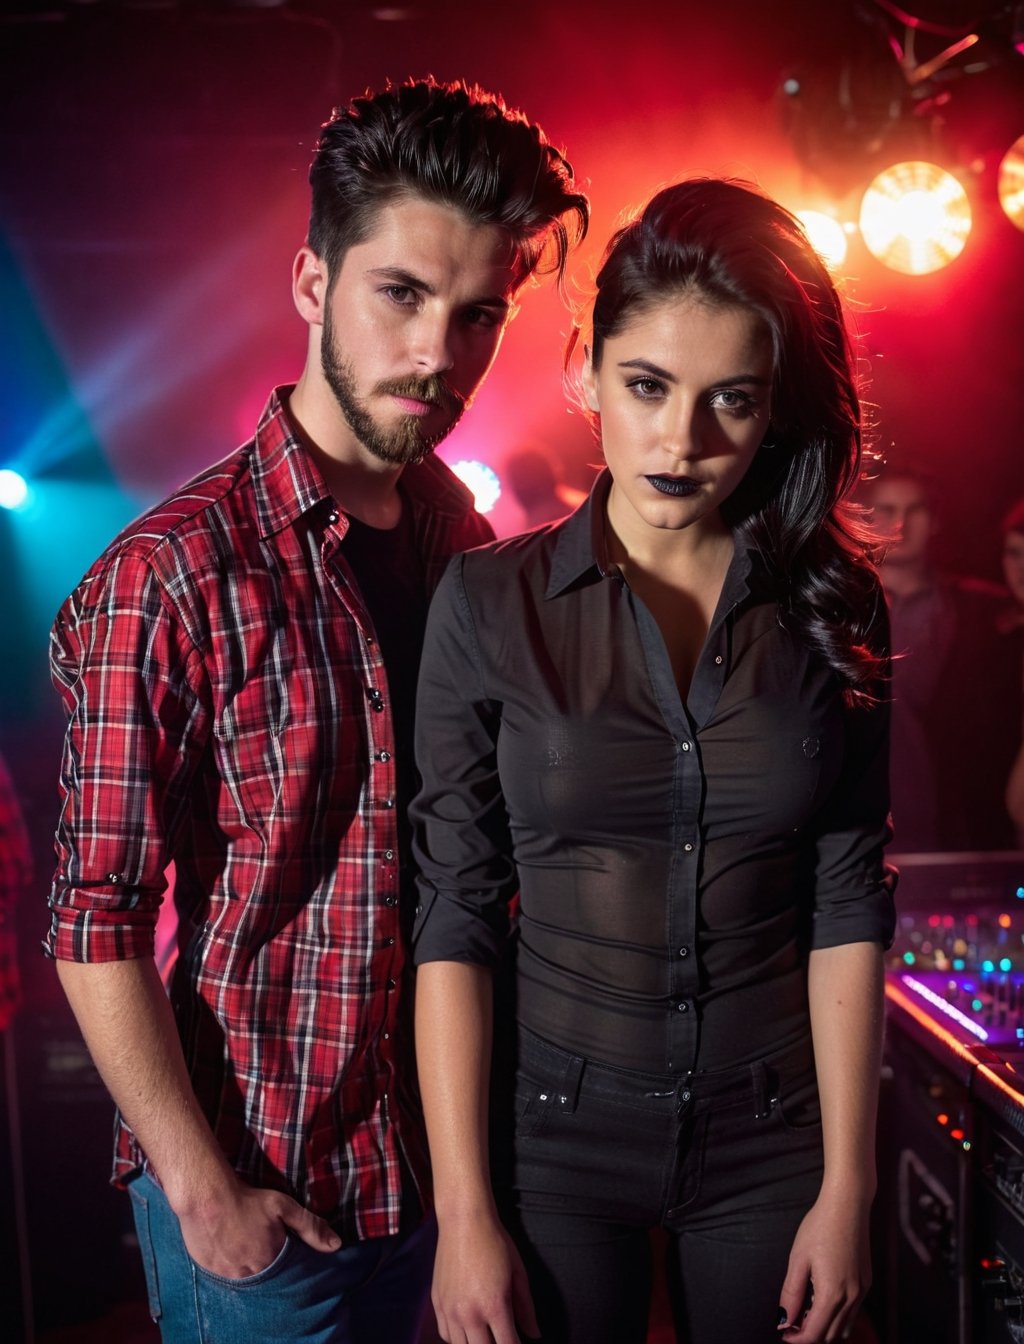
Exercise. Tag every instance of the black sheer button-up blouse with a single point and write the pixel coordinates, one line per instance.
(675, 862)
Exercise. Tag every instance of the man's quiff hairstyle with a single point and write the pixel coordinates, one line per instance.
(454, 144)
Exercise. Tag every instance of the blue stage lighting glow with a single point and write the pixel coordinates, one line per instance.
(13, 489)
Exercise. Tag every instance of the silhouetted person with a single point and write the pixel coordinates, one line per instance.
(949, 692)
(537, 489)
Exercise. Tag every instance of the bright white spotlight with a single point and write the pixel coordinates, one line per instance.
(915, 217)
(1011, 183)
(13, 489)
(482, 481)
(827, 235)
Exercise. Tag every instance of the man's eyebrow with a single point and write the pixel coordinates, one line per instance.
(395, 275)
(647, 366)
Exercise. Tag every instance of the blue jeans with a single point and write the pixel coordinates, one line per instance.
(590, 1159)
(369, 1293)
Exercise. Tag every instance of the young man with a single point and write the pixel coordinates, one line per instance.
(952, 733)
(238, 670)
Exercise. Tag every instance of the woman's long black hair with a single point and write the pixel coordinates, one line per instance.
(729, 245)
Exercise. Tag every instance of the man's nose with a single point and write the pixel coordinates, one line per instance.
(431, 343)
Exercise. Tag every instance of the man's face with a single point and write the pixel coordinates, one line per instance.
(413, 320)
(902, 515)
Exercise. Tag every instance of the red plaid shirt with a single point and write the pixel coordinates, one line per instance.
(229, 710)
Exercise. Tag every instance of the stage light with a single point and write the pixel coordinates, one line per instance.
(13, 489)
(827, 235)
(1011, 183)
(482, 480)
(915, 217)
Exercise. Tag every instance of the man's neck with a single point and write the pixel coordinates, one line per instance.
(363, 485)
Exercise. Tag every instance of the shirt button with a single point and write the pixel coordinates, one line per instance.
(391, 900)
(332, 517)
(684, 951)
(389, 986)
(389, 942)
(683, 1007)
(385, 1035)
(389, 854)
(718, 660)
(688, 847)
(684, 746)
(383, 755)
(114, 877)
(387, 802)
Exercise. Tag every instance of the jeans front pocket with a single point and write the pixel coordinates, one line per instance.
(140, 1212)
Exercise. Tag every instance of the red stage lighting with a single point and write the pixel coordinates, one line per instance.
(827, 235)
(1011, 183)
(915, 217)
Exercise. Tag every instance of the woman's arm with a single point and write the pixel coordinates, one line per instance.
(830, 1252)
(480, 1291)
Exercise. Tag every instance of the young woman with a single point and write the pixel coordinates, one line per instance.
(662, 722)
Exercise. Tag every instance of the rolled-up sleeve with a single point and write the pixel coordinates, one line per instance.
(854, 886)
(129, 676)
(463, 848)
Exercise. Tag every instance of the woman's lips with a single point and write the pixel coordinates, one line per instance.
(673, 485)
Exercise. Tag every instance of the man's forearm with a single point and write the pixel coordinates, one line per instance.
(126, 1019)
(127, 1022)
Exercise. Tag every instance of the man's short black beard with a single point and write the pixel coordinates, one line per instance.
(404, 443)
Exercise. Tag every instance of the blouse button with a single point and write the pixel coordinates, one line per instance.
(332, 517)
(684, 746)
(718, 660)
(688, 847)
(684, 951)
(683, 1007)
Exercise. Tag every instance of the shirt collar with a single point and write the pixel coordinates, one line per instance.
(582, 550)
(288, 482)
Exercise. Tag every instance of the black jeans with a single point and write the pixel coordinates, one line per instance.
(589, 1158)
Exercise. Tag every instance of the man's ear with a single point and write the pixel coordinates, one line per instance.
(309, 285)
(590, 382)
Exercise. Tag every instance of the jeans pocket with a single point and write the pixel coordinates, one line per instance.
(251, 1280)
(140, 1212)
(799, 1104)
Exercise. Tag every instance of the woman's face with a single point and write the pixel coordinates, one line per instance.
(684, 396)
(1013, 565)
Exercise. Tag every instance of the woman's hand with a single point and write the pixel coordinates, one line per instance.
(480, 1292)
(830, 1266)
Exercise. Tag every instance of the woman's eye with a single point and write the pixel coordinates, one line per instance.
(646, 388)
(727, 399)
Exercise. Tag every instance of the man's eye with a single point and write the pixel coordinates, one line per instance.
(401, 294)
(480, 317)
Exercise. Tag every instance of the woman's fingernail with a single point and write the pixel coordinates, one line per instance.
(783, 1316)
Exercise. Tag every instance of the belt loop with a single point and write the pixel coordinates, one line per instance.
(569, 1088)
(759, 1083)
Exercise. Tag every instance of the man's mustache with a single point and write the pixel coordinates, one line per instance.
(433, 389)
